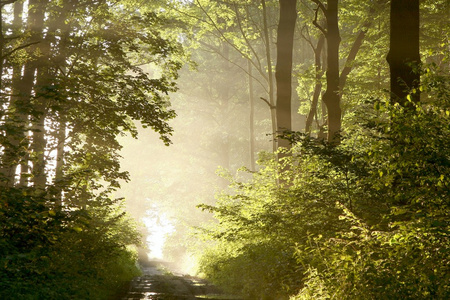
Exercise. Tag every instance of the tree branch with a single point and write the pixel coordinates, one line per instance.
(320, 5)
(268, 103)
(233, 45)
(18, 48)
(315, 18)
(245, 36)
(216, 51)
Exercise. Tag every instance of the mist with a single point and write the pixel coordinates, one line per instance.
(210, 136)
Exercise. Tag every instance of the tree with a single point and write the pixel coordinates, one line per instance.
(271, 102)
(331, 96)
(403, 56)
(283, 74)
(318, 68)
(74, 79)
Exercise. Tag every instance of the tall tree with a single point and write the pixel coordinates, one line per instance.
(331, 96)
(252, 116)
(318, 68)
(283, 73)
(403, 56)
(271, 102)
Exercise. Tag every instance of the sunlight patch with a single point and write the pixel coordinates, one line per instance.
(159, 227)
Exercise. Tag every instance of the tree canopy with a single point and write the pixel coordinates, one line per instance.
(73, 80)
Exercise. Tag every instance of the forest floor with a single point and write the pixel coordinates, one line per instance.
(159, 283)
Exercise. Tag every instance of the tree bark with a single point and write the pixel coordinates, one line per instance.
(403, 54)
(318, 85)
(283, 74)
(59, 169)
(270, 77)
(39, 141)
(331, 96)
(252, 116)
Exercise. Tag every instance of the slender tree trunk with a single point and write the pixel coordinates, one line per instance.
(17, 120)
(6, 178)
(224, 101)
(39, 141)
(62, 118)
(21, 92)
(356, 46)
(348, 63)
(350, 59)
(43, 81)
(270, 77)
(252, 115)
(322, 123)
(318, 85)
(331, 96)
(403, 54)
(283, 75)
(59, 172)
(35, 25)
(2, 45)
(26, 87)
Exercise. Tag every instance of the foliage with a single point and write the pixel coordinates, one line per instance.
(368, 219)
(49, 254)
(238, 269)
(76, 76)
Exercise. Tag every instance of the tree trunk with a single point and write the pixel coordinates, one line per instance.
(39, 141)
(356, 46)
(2, 46)
(62, 118)
(224, 104)
(43, 81)
(403, 54)
(350, 59)
(331, 96)
(283, 74)
(252, 116)
(318, 86)
(59, 172)
(270, 77)
(10, 154)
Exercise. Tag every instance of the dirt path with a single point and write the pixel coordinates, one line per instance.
(156, 285)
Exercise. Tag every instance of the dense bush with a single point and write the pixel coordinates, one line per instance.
(368, 219)
(52, 254)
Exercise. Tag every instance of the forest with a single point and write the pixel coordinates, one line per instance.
(280, 149)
